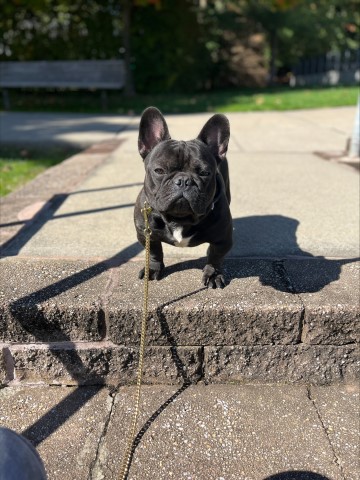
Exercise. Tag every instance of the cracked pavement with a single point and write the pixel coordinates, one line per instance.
(248, 432)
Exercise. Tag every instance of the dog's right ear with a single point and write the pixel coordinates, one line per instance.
(152, 130)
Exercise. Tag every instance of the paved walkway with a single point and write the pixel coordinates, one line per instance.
(77, 130)
(231, 432)
(306, 205)
(288, 315)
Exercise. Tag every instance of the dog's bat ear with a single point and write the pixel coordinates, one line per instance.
(215, 134)
(152, 130)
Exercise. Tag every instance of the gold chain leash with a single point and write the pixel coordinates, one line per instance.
(127, 456)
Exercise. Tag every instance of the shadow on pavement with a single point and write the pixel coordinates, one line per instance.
(59, 414)
(70, 358)
(275, 236)
(297, 475)
(67, 407)
(46, 214)
(272, 238)
(267, 236)
(60, 129)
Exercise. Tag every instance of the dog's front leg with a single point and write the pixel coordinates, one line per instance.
(156, 260)
(212, 275)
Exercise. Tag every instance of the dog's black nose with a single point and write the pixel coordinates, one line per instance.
(183, 181)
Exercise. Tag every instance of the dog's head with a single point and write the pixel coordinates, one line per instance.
(180, 179)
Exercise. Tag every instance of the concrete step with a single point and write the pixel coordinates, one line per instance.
(78, 322)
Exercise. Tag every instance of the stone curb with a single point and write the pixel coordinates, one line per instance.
(77, 322)
(114, 365)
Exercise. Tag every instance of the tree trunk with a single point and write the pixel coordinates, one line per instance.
(273, 56)
(129, 89)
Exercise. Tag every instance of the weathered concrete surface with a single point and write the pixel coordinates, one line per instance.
(338, 408)
(303, 364)
(65, 424)
(250, 310)
(230, 432)
(103, 363)
(61, 300)
(72, 322)
(44, 301)
(329, 290)
(252, 432)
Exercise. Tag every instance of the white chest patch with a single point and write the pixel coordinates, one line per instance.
(180, 241)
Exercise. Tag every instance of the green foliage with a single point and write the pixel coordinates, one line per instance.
(60, 29)
(306, 27)
(168, 46)
(176, 45)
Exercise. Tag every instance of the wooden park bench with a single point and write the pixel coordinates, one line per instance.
(62, 74)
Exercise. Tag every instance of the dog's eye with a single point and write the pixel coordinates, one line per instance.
(204, 173)
(159, 171)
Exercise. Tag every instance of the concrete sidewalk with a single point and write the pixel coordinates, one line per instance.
(243, 432)
(277, 347)
(306, 206)
(67, 129)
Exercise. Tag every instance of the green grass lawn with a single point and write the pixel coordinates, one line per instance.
(236, 100)
(19, 166)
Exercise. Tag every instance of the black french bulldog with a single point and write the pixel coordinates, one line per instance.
(187, 186)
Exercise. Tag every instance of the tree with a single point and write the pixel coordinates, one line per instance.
(273, 16)
(169, 48)
(60, 29)
(298, 28)
(129, 90)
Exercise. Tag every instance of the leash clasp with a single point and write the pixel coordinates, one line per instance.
(146, 210)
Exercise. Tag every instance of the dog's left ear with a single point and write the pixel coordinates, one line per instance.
(215, 134)
(153, 130)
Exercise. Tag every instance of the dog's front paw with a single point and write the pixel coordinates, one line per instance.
(155, 271)
(213, 278)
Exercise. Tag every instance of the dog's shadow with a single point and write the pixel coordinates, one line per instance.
(266, 247)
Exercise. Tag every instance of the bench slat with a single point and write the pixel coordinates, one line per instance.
(105, 74)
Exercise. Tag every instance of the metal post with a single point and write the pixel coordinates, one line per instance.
(354, 150)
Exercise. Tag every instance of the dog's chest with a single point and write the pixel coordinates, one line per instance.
(179, 240)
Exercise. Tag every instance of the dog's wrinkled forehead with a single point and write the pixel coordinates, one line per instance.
(181, 153)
